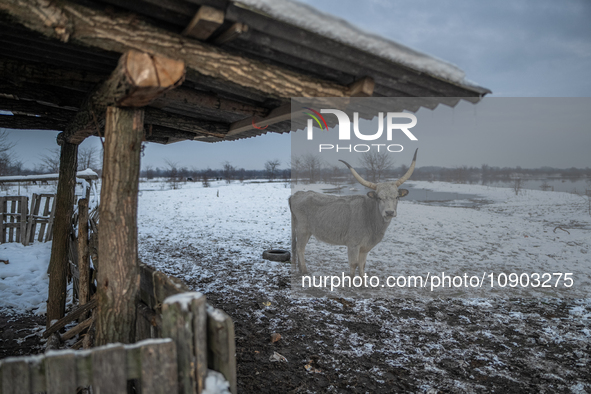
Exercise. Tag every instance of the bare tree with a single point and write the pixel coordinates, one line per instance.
(88, 158)
(228, 170)
(461, 174)
(271, 166)
(6, 157)
(51, 161)
(149, 172)
(376, 164)
(173, 173)
(241, 174)
(296, 168)
(517, 185)
(335, 173)
(312, 166)
(205, 176)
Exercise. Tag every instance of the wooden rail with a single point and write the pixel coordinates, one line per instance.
(107, 369)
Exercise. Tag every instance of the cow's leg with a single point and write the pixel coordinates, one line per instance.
(301, 250)
(361, 264)
(353, 254)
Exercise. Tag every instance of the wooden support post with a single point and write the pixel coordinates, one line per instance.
(118, 277)
(58, 263)
(204, 23)
(83, 255)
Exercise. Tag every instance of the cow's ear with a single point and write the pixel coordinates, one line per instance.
(372, 195)
(402, 192)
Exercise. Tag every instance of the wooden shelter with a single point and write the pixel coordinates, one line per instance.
(171, 70)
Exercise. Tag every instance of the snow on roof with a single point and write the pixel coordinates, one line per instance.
(311, 19)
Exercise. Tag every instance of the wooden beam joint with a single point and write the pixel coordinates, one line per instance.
(136, 81)
(204, 23)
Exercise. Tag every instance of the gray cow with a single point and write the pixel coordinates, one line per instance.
(359, 222)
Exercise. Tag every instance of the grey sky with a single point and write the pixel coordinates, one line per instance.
(516, 48)
(499, 131)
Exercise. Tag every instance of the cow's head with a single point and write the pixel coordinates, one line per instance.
(386, 194)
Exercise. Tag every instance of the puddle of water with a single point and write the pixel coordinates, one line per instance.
(424, 196)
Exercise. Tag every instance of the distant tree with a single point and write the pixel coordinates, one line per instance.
(376, 164)
(173, 174)
(461, 174)
(312, 167)
(296, 169)
(88, 158)
(206, 175)
(241, 174)
(335, 173)
(271, 166)
(6, 156)
(149, 172)
(228, 171)
(51, 161)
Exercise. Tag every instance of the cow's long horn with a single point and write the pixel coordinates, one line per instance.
(359, 178)
(405, 177)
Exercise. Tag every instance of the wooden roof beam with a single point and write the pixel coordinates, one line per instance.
(26, 122)
(82, 82)
(232, 33)
(137, 80)
(68, 21)
(360, 88)
(204, 23)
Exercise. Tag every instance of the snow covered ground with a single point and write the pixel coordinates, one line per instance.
(213, 238)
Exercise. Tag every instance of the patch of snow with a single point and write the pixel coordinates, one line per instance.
(311, 19)
(216, 383)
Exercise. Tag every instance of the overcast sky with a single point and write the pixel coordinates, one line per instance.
(516, 48)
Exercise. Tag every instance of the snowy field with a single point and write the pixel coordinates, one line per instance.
(213, 239)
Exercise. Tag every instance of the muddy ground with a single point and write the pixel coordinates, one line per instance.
(374, 346)
(385, 346)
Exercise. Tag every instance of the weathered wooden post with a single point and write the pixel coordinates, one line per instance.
(221, 345)
(118, 278)
(58, 263)
(184, 320)
(83, 254)
(137, 80)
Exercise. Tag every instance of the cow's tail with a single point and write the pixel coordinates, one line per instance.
(294, 258)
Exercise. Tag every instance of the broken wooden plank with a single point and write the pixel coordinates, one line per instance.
(75, 314)
(72, 332)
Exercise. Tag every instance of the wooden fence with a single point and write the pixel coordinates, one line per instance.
(13, 225)
(107, 369)
(167, 308)
(44, 218)
(196, 337)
